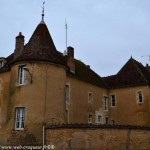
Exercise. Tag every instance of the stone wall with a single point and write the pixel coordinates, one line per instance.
(102, 137)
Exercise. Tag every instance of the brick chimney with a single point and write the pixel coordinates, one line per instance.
(70, 59)
(19, 45)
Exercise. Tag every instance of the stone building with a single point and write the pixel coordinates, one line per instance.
(40, 86)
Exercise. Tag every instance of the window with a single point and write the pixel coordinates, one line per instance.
(139, 97)
(107, 120)
(90, 118)
(90, 97)
(22, 75)
(19, 118)
(99, 119)
(1, 64)
(113, 101)
(113, 122)
(105, 103)
(67, 115)
(67, 94)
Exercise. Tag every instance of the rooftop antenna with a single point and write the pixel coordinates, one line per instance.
(147, 56)
(66, 28)
(43, 11)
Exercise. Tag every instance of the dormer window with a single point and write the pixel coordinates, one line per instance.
(1, 63)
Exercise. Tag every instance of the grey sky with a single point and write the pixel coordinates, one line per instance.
(104, 33)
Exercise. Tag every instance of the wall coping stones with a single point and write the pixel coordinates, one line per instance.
(96, 126)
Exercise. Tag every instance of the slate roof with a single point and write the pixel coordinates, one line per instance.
(84, 73)
(132, 73)
(41, 47)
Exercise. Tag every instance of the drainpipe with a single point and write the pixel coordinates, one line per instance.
(43, 137)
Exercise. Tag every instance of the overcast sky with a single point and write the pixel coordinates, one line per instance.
(104, 33)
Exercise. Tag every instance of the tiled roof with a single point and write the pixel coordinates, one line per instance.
(132, 73)
(84, 73)
(148, 68)
(41, 47)
(6, 67)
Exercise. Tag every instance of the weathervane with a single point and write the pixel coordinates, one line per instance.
(43, 11)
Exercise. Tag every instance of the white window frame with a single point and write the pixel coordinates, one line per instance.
(19, 118)
(22, 75)
(111, 98)
(90, 97)
(67, 93)
(105, 102)
(99, 119)
(140, 97)
(90, 118)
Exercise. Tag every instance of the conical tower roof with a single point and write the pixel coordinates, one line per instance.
(41, 47)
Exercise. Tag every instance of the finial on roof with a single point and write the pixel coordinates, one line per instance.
(43, 13)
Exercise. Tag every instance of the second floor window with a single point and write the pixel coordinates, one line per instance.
(113, 100)
(90, 97)
(105, 103)
(22, 75)
(67, 93)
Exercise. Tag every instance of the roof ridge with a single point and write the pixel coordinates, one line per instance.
(137, 64)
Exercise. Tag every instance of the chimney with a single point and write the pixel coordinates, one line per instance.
(70, 59)
(19, 45)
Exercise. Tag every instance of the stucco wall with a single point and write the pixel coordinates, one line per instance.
(127, 109)
(43, 99)
(79, 108)
(98, 138)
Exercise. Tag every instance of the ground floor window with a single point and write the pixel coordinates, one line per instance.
(107, 120)
(90, 118)
(19, 118)
(99, 119)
